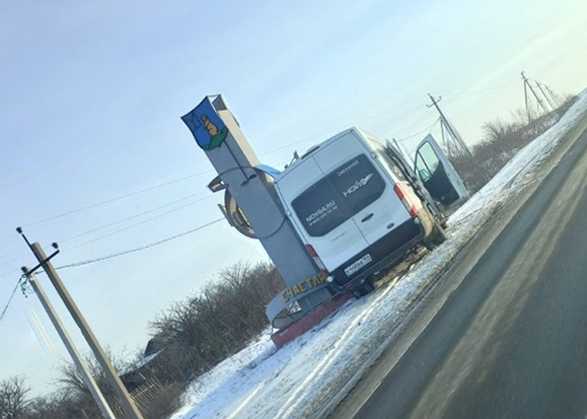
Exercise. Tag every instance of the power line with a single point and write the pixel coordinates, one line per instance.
(138, 224)
(160, 185)
(133, 250)
(121, 221)
(389, 119)
(394, 118)
(297, 142)
(475, 91)
(171, 182)
(10, 299)
(133, 216)
(110, 200)
(13, 260)
(138, 249)
(428, 129)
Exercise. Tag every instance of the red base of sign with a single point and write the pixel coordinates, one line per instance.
(282, 337)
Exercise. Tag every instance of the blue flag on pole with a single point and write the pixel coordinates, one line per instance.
(206, 125)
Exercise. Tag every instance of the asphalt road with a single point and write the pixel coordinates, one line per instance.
(511, 340)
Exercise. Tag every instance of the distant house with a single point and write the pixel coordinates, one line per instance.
(155, 345)
(136, 375)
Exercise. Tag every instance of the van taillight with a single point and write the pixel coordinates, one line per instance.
(401, 194)
(399, 191)
(317, 259)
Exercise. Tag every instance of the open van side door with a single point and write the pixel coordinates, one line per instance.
(437, 174)
(405, 166)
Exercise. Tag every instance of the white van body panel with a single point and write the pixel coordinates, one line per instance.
(344, 240)
(387, 211)
(370, 223)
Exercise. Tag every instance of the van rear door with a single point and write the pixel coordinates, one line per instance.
(319, 214)
(438, 174)
(365, 189)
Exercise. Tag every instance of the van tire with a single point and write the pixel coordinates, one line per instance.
(437, 237)
(364, 289)
(368, 285)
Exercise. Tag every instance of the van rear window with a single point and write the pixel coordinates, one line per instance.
(338, 196)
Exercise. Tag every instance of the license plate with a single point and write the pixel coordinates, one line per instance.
(364, 261)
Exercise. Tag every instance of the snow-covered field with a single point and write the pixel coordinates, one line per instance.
(306, 378)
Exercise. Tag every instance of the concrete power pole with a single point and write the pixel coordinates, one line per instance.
(555, 98)
(402, 150)
(458, 143)
(128, 405)
(70, 346)
(538, 100)
(527, 104)
(545, 95)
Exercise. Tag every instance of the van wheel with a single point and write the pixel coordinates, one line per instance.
(368, 285)
(357, 293)
(440, 235)
(437, 237)
(364, 289)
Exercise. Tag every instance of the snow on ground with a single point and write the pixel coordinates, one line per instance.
(307, 377)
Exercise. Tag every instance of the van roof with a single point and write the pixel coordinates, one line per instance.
(316, 147)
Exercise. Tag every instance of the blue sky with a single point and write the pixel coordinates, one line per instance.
(91, 96)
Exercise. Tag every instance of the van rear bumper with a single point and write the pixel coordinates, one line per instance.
(385, 252)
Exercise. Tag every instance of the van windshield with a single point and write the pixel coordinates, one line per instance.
(338, 196)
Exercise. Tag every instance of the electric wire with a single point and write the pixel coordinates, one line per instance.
(90, 261)
(117, 198)
(387, 121)
(10, 299)
(171, 182)
(297, 142)
(102, 227)
(128, 195)
(135, 249)
(428, 129)
(131, 217)
(13, 260)
(138, 224)
(338, 129)
(140, 248)
(474, 91)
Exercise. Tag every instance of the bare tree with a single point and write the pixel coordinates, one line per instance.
(13, 398)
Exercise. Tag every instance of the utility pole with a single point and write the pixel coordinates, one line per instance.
(128, 405)
(70, 346)
(540, 102)
(453, 141)
(402, 150)
(457, 142)
(528, 111)
(555, 97)
(545, 95)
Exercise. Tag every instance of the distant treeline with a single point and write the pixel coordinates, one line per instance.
(502, 139)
